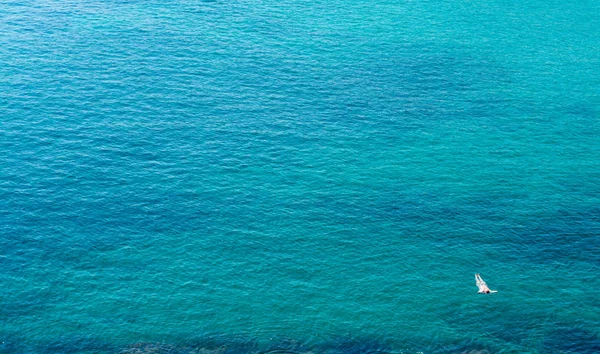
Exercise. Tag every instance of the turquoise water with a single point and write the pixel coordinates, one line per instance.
(254, 176)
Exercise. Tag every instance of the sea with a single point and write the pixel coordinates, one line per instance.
(296, 176)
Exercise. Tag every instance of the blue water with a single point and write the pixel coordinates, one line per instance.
(254, 176)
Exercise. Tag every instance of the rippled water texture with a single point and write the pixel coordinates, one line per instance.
(294, 176)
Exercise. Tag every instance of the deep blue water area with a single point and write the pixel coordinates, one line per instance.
(292, 176)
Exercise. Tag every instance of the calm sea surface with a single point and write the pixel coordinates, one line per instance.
(238, 176)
